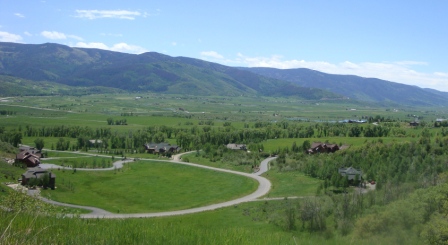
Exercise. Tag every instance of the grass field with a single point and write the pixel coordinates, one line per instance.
(192, 157)
(149, 187)
(93, 110)
(291, 184)
(82, 162)
(231, 225)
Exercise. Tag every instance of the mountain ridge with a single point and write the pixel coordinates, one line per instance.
(149, 71)
(160, 73)
(356, 87)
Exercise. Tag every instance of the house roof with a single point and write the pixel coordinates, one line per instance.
(316, 144)
(236, 146)
(350, 172)
(95, 141)
(37, 172)
(161, 146)
(28, 156)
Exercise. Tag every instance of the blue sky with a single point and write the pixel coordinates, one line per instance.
(401, 41)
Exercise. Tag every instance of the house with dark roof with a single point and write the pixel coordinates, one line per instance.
(236, 147)
(95, 143)
(39, 173)
(350, 173)
(30, 158)
(318, 147)
(157, 148)
(413, 124)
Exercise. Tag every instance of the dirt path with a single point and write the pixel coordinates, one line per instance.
(263, 188)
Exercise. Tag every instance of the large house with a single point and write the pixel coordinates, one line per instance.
(29, 156)
(318, 147)
(39, 173)
(414, 124)
(350, 173)
(236, 147)
(158, 148)
(95, 142)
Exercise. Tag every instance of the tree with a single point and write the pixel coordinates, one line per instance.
(39, 143)
(294, 147)
(306, 145)
(62, 144)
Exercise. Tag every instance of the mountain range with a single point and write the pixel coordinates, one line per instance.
(355, 87)
(155, 72)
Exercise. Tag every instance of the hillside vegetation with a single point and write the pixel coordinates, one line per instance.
(145, 72)
(355, 87)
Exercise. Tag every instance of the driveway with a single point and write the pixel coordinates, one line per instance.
(263, 188)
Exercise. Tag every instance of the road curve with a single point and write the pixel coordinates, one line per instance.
(263, 188)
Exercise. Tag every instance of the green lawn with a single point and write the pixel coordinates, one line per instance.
(82, 162)
(217, 164)
(149, 187)
(289, 184)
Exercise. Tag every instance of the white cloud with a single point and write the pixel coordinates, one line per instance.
(115, 14)
(28, 34)
(92, 45)
(19, 15)
(173, 43)
(75, 37)
(53, 35)
(111, 34)
(9, 37)
(441, 74)
(119, 47)
(211, 54)
(401, 71)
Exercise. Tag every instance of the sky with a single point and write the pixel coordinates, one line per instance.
(400, 41)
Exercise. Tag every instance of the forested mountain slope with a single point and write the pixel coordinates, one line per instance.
(145, 72)
(355, 87)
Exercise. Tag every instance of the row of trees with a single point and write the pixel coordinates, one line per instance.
(197, 136)
(261, 131)
(111, 121)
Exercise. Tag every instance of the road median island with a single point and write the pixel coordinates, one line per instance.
(263, 188)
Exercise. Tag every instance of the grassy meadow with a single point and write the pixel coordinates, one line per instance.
(147, 186)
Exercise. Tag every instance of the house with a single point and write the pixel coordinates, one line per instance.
(414, 124)
(350, 173)
(318, 147)
(31, 158)
(157, 148)
(95, 143)
(236, 147)
(28, 148)
(38, 173)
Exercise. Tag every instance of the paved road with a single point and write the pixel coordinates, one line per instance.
(263, 188)
(116, 165)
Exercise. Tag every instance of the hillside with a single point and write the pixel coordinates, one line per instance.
(13, 86)
(150, 71)
(358, 88)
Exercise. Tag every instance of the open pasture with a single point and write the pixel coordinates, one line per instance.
(93, 110)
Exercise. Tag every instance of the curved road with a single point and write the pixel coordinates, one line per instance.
(263, 188)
